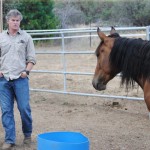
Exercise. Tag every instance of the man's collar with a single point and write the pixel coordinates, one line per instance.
(18, 32)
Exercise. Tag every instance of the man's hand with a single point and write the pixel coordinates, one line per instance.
(1, 74)
(24, 74)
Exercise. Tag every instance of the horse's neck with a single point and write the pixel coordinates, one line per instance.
(141, 82)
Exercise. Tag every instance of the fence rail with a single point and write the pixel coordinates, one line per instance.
(62, 34)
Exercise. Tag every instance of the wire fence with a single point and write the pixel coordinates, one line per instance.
(63, 34)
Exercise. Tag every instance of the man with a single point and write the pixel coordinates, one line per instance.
(17, 57)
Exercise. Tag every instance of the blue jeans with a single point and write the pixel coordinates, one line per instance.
(9, 90)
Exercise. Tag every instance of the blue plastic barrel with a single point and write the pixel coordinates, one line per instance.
(62, 141)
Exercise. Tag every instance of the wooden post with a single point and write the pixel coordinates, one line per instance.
(1, 15)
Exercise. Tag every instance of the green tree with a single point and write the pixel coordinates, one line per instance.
(7, 5)
(90, 9)
(136, 12)
(68, 14)
(37, 14)
(95, 10)
(106, 9)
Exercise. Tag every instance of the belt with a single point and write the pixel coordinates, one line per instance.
(11, 80)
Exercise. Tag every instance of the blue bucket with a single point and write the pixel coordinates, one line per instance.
(62, 141)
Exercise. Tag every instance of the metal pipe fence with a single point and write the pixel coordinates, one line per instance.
(62, 34)
(1, 15)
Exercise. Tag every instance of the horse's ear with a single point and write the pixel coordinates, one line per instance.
(101, 35)
(112, 30)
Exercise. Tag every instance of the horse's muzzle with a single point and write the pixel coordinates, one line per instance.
(98, 85)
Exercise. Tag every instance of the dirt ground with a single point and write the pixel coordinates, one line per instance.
(122, 127)
(108, 127)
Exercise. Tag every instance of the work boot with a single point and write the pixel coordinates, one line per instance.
(27, 140)
(7, 146)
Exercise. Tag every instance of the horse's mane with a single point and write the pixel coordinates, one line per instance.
(132, 58)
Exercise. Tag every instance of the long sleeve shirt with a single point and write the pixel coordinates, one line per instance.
(15, 53)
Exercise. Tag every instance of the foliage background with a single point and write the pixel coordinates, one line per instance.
(52, 14)
(37, 14)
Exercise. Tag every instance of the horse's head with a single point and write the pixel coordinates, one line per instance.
(104, 72)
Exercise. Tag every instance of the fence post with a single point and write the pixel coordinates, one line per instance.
(1, 15)
(64, 60)
(148, 33)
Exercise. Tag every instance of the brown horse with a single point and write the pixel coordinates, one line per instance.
(130, 57)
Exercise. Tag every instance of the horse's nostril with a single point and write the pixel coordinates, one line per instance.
(97, 86)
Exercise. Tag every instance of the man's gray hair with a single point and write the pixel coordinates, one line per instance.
(14, 13)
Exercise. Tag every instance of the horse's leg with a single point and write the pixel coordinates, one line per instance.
(146, 90)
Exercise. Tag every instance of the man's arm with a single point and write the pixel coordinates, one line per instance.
(29, 66)
(28, 69)
(30, 58)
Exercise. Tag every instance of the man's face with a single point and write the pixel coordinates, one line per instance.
(14, 23)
